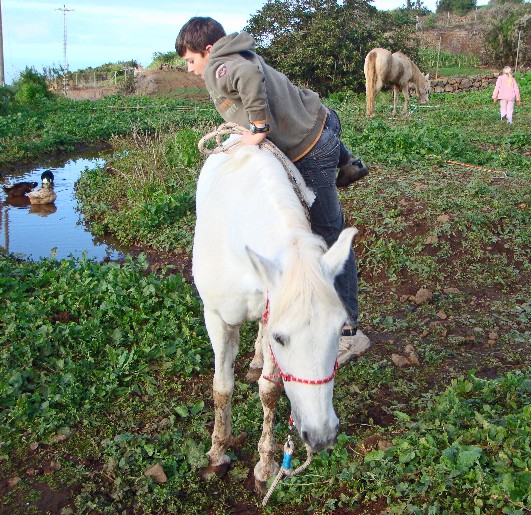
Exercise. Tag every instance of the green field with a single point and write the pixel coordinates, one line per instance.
(106, 369)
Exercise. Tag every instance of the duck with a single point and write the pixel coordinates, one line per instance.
(47, 177)
(19, 189)
(46, 194)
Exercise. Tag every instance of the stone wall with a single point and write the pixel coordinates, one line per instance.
(463, 83)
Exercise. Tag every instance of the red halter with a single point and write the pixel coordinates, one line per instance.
(289, 377)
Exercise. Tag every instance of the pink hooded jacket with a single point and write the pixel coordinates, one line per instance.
(505, 90)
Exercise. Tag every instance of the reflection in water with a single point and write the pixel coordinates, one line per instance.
(42, 209)
(17, 201)
(58, 230)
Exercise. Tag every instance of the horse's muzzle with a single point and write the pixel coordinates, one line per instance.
(318, 440)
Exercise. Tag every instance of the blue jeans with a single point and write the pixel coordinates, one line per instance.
(318, 168)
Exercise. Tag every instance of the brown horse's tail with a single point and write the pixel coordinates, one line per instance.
(370, 81)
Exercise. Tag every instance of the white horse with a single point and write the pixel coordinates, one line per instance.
(253, 248)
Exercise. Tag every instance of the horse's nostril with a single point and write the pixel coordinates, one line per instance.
(305, 436)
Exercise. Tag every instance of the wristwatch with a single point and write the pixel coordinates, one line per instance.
(258, 130)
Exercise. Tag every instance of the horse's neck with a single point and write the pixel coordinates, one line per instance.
(417, 76)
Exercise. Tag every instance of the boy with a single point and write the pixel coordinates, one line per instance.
(248, 92)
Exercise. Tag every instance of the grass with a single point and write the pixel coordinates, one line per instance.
(106, 369)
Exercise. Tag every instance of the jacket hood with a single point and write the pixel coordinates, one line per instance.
(233, 44)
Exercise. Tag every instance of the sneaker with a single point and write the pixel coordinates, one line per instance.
(353, 171)
(352, 344)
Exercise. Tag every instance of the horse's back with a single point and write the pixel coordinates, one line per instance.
(235, 209)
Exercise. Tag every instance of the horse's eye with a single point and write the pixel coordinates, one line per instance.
(280, 339)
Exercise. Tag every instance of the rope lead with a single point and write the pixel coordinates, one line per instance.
(285, 469)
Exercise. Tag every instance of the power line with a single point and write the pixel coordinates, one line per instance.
(64, 10)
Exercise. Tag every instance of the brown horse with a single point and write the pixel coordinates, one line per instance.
(397, 70)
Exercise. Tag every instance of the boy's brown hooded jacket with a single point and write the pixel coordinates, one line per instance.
(245, 89)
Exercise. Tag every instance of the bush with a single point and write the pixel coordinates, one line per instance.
(6, 99)
(31, 87)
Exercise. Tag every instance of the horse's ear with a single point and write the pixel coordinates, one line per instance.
(266, 269)
(427, 76)
(337, 255)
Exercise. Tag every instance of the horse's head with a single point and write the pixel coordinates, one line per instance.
(424, 89)
(303, 328)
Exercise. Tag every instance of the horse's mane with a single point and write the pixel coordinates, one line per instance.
(302, 276)
(302, 280)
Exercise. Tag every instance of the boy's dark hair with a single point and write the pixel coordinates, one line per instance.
(197, 33)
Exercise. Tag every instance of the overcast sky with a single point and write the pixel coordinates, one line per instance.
(103, 31)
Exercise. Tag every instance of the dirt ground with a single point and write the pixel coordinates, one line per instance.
(168, 83)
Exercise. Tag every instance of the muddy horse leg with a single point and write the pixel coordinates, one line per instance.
(225, 341)
(266, 467)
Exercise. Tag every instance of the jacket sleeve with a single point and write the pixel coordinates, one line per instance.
(247, 81)
(496, 89)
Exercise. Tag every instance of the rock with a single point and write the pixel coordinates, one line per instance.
(59, 438)
(442, 315)
(157, 473)
(34, 446)
(400, 361)
(431, 239)
(52, 467)
(412, 355)
(11, 482)
(493, 336)
(423, 295)
(443, 219)
(451, 290)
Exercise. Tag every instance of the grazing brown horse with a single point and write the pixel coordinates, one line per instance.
(397, 70)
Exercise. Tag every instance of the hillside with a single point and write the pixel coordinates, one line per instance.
(148, 81)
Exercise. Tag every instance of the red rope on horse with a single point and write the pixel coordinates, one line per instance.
(289, 377)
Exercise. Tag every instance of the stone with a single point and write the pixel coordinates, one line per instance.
(157, 473)
(423, 295)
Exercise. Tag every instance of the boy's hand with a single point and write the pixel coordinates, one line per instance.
(253, 139)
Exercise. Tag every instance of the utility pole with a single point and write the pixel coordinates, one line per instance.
(2, 76)
(64, 10)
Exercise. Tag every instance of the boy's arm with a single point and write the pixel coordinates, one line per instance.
(248, 83)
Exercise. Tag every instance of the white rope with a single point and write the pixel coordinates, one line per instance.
(229, 128)
(285, 469)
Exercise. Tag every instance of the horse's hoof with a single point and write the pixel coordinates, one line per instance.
(253, 374)
(217, 470)
(260, 487)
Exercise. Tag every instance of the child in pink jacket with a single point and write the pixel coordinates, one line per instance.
(506, 91)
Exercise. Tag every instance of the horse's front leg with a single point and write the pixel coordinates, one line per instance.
(255, 367)
(266, 467)
(405, 92)
(225, 341)
(396, 89)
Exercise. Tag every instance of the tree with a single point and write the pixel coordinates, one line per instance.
(456, 6)
(509, 22)
(322, 45)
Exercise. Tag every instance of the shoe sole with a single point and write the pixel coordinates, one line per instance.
(354, 352)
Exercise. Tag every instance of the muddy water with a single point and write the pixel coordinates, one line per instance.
(52, 230)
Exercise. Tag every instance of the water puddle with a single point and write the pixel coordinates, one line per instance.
(53, 230)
